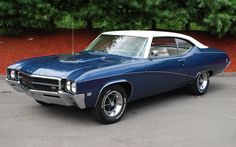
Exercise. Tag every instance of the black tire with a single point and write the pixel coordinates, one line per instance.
(43, 103)
(200, 84)
(100, 111)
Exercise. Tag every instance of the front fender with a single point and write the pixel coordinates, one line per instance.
(92, 89)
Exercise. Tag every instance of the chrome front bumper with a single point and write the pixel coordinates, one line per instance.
(60, 97)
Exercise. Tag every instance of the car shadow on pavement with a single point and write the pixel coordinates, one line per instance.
(70, 114)
(159, 100)
(168, 98)
(84, 117)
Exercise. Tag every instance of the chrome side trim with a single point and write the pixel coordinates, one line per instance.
(227, 65)
(110, 83)
(144, 72)
(211, 52)
(169, 72)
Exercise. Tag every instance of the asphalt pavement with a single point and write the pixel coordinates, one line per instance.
(167, 120)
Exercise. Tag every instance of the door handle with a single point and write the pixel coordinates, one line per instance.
(182, 61)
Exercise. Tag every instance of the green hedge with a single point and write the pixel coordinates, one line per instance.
(19, 15)
(215, 16)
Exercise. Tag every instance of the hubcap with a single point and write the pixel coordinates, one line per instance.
(112, 103)
(202, 81)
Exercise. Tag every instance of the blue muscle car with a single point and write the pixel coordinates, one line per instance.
(116, 68)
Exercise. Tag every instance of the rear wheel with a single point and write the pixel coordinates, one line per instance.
(43, 103)
(200, 84)
(111, 104)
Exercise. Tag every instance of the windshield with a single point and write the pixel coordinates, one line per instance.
(119, 45)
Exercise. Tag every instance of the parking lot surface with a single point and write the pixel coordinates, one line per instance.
(171, 119)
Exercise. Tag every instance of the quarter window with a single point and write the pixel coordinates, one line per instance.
(183, 46)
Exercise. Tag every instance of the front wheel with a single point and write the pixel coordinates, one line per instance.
(111, 104)
(200, 84)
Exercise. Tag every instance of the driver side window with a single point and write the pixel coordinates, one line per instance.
(163, 47)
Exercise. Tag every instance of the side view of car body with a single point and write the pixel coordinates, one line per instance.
(116, 68)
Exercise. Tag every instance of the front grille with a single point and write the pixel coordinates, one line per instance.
(38, 83)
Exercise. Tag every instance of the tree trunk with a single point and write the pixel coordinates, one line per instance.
(154, 25)
(187, 26)
(89, 23)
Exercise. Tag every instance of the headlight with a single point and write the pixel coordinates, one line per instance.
(13, 74)
(73, 87)
(68, 86)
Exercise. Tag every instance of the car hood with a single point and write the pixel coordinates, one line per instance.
(66, 65)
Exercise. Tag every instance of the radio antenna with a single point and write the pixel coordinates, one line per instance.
(73, 35)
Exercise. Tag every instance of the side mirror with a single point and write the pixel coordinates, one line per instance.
(154, 54)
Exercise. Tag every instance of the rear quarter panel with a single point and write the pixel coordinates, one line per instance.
(208, 59)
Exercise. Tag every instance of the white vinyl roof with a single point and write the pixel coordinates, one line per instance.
(151, 34)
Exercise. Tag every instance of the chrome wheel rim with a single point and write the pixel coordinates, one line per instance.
(202, 81)
(112, 103)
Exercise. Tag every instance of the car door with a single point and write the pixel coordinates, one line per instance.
(165, 66)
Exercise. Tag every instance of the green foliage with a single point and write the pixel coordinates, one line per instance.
(8, 13)
(219, 15)
(67, 21)
(19, 15)
(216, 16)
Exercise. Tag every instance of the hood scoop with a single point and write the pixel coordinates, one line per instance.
(76, 59)
(64, 65)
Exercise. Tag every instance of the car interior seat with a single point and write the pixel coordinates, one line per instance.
(159, 51)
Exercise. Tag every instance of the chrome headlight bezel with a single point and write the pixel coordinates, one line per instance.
(70, 86)
(13, 74)
(73, 87)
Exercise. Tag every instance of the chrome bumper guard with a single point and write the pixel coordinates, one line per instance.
(60, 97)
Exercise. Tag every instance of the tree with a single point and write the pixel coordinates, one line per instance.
(8, 14)
(216, 16)
(219, 16)
(19, 15)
